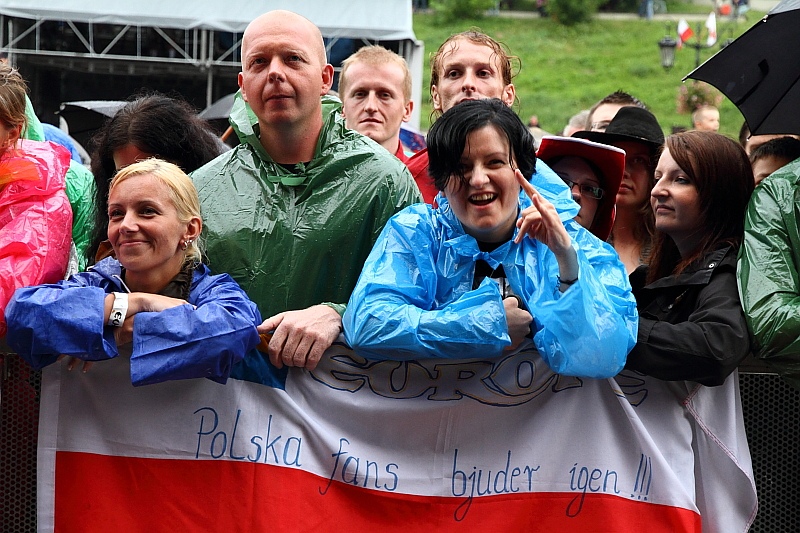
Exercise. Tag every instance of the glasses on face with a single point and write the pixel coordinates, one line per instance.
(587, 191)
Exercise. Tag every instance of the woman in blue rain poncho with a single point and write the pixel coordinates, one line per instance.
(496, 261)
(153, 295)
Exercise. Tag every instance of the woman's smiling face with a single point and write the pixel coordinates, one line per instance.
(143, 225)
(487, 201)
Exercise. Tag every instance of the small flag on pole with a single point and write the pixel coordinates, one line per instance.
(684, 31)
(711, 24)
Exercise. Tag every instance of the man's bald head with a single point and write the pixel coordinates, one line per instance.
(280, 18)
(284, 73)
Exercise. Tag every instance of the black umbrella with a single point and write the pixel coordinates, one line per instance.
(217, 115)
(84, 118)
(760, 71)
(221, 109)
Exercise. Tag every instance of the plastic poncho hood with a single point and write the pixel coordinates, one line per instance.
(415, 297)
(80, 190)
(35, 218)
(297, 235)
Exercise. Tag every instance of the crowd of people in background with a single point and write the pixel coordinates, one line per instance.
(320, 223)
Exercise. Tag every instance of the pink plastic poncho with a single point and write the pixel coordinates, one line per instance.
(35, 218)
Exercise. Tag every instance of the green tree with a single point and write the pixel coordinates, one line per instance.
(571, 12)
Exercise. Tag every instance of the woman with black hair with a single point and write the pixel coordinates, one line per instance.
(495, 261)
(149, 126)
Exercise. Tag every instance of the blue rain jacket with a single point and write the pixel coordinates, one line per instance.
(414, 298)
(178, 343)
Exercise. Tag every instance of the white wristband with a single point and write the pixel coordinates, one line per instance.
(118, 310)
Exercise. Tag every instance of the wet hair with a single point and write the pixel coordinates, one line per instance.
(720, 170)
(448, 137)
(13, 90)
(375, 55)
(183, 193)
(509, 64)
(158, 125)
(618, 97)
(787, 148)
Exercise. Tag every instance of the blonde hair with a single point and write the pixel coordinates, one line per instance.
(13, 91)
(182, 193)
(374, 56)
(700, 113)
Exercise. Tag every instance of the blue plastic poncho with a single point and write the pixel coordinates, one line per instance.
(414, 298)
(178, 343)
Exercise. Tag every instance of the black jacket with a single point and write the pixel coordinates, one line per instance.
(691, 326)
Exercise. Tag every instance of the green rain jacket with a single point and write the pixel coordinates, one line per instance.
(769, 271)
(80, 189)
(296, 237)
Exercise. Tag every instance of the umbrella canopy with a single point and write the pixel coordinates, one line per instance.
(217, 115)
(85, 117)
(221, 109)
(760, 72)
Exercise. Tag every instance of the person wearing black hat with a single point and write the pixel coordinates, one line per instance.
(638, 132)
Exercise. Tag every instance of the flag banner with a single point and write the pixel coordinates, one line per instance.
(711, 25)
(413, 140)
(358, 445)
(685, 32)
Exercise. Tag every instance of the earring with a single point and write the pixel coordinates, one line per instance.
(187, 243)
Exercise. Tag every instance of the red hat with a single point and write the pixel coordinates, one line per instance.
(609, 159)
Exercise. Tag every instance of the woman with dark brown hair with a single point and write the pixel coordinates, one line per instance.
(692, 330)
(691, 324)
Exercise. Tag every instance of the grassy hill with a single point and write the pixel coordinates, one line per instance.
(566, 69)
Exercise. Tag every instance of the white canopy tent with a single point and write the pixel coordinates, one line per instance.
(201, 37)
(368, 19)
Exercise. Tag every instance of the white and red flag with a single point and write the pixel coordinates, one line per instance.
(711, 25)
(414, 446)
(685, 32)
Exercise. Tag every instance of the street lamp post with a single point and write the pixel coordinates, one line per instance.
(667, 46)
(697, 45)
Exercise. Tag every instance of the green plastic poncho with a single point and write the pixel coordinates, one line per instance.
(769, 271)
(296, 237)
(80, 189)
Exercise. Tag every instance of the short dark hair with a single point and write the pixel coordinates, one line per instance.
(783, 147)
(617, 97)
(156, 124)
(448, 136)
